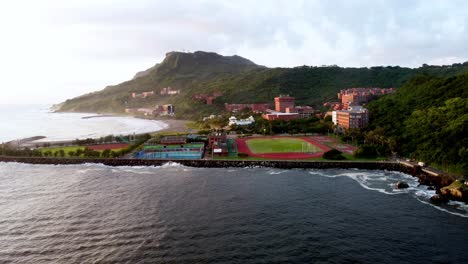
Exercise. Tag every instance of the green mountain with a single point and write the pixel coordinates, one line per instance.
(240, 81)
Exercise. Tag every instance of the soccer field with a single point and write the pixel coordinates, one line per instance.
(280, 145)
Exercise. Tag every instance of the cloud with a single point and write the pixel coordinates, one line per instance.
(106, 42)
(363, 33)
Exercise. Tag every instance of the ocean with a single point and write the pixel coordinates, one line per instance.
(175, 214)
(22, 121)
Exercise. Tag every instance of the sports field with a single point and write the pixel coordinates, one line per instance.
(280, 145)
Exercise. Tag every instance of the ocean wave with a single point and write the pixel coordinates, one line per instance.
(172, 164)
(451, 211)
(276, 172)
(384, 182)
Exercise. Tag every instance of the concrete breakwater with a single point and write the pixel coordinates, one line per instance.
(368, 165)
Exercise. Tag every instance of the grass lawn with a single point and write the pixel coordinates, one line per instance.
(66, 149)
(280, 145)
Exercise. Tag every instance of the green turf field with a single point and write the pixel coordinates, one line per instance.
(67, 149)
(280, 145)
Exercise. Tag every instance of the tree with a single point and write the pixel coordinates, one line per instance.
(106, 153)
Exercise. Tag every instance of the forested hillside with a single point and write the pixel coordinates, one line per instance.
(427, 120)
(241, 81)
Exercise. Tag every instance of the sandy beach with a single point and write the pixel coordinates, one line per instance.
(175, 125)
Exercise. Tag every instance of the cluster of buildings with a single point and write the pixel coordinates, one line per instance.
(164, 92)
(158, 110)
(347, 113)
(361, 95)
(169, 91)
(285, 109)
(142, 95)
(207, 98)
(357, 96)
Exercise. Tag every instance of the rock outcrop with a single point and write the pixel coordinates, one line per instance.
(455, 191)
(438, 199)
(401, 185)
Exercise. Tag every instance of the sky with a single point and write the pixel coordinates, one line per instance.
(54, 50)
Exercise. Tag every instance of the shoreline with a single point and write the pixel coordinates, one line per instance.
(428, 178)
(172, 125)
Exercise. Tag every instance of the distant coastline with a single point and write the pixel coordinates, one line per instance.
(20, 122)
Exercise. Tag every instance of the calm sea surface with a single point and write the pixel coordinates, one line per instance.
(21, 121)
(176, 214)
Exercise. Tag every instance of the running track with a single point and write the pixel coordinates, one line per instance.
(243, 148)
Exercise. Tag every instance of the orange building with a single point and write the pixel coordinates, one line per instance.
(355, 117)
(282, 102)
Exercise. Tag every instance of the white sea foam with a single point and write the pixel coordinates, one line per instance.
(276, 172)
(452, 212)
(384, 182)
(172, 164)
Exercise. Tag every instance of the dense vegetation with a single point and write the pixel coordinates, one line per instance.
(334, 154)
(425, 120)
(242, 81)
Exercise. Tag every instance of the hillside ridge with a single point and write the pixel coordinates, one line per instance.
(240, 80)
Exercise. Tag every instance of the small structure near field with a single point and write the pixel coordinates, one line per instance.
(241, 122)
(217, 144)
(172, 147)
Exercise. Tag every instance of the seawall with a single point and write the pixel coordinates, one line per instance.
(425, 177)
(368, 165)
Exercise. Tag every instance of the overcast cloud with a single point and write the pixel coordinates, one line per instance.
(53, 50)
